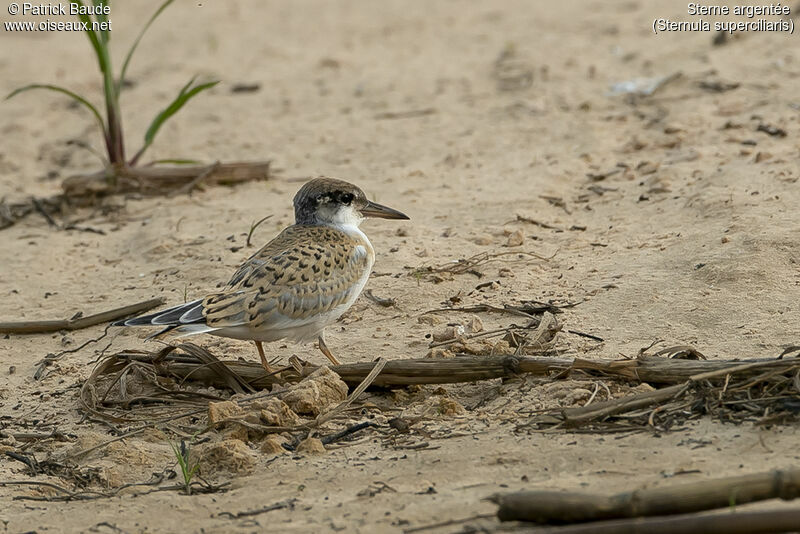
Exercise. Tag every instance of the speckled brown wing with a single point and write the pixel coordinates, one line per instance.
(303, 273)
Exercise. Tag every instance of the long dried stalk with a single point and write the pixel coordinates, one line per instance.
(713, 371)
(732, 523)
(471, 368)
(569, 507)
(38, 327)
(395, 373)
(159, 180)
(760, 390)
(86, 189)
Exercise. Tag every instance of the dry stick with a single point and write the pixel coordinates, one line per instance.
(447, 523)
(39, 327)
(430, 371)
(610, 407)
(625, 404)
(150, 180)
(471, 368)
(738, 523)
(587, 336)
(396, 372)
(571, 507)
(333, 438)
(250, 513)
(483, 308)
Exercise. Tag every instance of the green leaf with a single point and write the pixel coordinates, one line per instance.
(114, 144)
(186, 93)
(96, 45)
(136, 42)
(102, 17)
(67, 92)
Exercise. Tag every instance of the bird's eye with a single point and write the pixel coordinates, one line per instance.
(346, 198)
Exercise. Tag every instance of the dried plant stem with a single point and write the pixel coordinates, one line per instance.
(556, 506)
(754, 389)
(738, 523)
(39, 327)
(614, 406)
(574, 416)
(395, 372)
(158, 180)
(471, 368)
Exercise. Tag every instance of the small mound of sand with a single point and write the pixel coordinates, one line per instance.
(311, 446)
(272, 445)
(322, 390)
(229, 455)
(221, 411)
(275, 412)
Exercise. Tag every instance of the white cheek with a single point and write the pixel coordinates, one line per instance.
(326, 213)
(347, 216)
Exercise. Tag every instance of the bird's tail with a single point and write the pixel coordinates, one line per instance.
(184, 315)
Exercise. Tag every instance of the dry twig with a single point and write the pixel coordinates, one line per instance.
(78, 322)
(730, 523)
(162, 180)
(570, 507)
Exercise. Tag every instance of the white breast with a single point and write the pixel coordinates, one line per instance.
(363, 249)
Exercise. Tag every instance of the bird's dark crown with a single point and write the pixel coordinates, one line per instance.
(325, 195)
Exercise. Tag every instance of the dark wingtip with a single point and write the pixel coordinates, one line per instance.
(169, 317)
(143, 320)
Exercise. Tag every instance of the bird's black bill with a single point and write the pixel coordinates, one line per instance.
(373, 209)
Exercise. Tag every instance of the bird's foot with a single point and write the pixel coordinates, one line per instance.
(264, 361)
(327, 352)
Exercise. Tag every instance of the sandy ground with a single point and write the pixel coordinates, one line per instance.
(692, 242)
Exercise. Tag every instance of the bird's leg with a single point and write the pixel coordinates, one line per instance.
(264, 361)
(327, 352)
